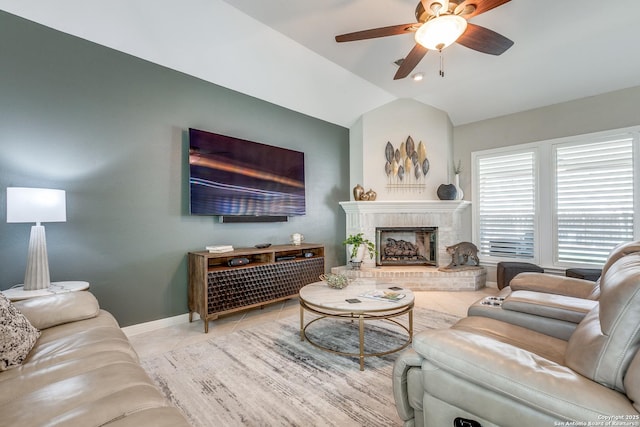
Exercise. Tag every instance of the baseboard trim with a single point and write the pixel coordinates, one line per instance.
(140, 328)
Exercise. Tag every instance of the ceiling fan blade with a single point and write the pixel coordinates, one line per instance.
(373, 33)
(470, 8)
(409, 63)
(484, 40)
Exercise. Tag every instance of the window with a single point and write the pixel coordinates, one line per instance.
(506, 209)
(557, 203)
(594, 199)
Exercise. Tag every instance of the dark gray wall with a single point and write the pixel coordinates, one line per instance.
(110, 130)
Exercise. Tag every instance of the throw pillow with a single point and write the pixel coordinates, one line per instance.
(17, 335)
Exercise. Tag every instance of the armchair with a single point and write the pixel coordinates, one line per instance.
(500, 374)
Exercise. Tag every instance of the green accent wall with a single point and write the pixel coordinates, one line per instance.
(111, 130)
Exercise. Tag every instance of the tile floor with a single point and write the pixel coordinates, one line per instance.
(172, 337)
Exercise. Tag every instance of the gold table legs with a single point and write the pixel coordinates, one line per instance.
(388, 315)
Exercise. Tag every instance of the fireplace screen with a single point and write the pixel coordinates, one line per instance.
(407, 245)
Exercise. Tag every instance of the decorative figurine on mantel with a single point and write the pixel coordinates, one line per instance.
(461, 254)
(359, 195)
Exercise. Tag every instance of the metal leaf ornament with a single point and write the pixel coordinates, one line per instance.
(414, 158)
(410, 146)
(422, 152)
(407, 165)
(388, 152)
(425, 166)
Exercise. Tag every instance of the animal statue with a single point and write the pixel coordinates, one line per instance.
(462, 252)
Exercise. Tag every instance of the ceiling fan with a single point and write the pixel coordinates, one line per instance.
(441, 23)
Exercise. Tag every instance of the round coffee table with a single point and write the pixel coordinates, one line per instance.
(320, 299)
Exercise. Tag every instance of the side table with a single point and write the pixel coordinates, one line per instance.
(18, 293)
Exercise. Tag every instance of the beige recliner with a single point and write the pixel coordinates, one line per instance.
(500, 374)
(547, 303)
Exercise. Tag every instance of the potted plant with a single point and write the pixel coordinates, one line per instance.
(356, 245)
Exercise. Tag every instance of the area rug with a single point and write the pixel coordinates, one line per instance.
(266, 376)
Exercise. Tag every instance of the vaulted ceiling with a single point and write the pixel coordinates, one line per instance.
(284, 51)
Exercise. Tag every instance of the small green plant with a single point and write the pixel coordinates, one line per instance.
(356, 240)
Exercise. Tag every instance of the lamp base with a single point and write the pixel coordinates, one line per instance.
(37, 275)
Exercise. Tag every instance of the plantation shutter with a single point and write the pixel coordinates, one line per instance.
(594, 199)
(506, 211)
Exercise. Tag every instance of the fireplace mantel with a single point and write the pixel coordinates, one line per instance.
(407, 206)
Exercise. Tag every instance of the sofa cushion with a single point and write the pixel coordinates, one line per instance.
(552, 306)
(553, 284)
(52, 310)
(17, 335)
(67, 350)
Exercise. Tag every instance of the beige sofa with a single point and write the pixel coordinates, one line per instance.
(500, 374)
(547, 303)
(82, 371)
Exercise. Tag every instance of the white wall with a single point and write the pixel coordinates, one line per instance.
(612, 110)
(394, 122)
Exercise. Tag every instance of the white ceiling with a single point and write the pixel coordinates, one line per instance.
(283, 51)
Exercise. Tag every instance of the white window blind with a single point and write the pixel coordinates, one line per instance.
(506, 205)
(594, 199)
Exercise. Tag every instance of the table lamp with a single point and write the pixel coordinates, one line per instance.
(36, 205)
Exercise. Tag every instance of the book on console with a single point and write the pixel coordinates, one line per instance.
(383, 295)
(219, 249)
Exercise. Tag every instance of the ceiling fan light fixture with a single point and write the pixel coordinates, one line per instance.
(440, 32)
(441, 6)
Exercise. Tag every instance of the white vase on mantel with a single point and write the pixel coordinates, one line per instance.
(459, 192)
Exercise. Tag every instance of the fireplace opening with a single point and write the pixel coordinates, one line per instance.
(407, 245)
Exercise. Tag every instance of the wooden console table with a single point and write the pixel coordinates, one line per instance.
(272, 274)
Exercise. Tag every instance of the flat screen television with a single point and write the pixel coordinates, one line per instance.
(233, 177)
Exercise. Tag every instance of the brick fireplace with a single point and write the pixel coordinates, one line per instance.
(451, 218)
(449, 222)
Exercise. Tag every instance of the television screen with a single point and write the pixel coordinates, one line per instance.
(234, 177)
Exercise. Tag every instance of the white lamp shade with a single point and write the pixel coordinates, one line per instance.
(36, 205)
(440, 32)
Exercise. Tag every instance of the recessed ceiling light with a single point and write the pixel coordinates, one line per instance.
(417, 77)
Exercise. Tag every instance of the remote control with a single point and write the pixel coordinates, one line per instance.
(263, 245)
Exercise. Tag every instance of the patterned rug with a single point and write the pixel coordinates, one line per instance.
(266, 376)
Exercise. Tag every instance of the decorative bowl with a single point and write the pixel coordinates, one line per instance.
(336, 281)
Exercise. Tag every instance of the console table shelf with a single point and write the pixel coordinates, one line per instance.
(272, 274)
